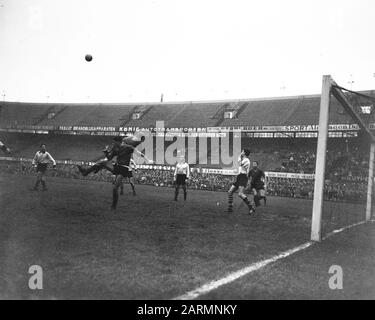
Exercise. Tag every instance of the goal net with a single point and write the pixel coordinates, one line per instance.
(343, 183)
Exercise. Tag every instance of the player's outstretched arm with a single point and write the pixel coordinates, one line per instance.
(141, 154)
(175, 174)
(35, 159)
(51, 159)
(239, 160)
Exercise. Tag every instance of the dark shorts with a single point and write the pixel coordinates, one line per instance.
(257, 186)
(241, 180)
(130, 174)
(181, 179)
(121, 170)
(41, 167)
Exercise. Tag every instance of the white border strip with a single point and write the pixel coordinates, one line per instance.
(206, 288)
(240, 273)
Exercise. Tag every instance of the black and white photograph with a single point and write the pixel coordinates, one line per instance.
(184, 150)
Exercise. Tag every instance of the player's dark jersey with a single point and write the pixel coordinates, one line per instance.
(257, 177)
(122, 152)
(112, 151)
(124, 155)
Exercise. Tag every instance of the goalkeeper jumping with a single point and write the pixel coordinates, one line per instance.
(122, 149)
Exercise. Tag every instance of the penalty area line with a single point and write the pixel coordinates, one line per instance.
(213, 285)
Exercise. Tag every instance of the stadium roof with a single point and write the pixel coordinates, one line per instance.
(294, 110)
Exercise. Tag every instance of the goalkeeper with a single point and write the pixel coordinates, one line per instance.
(122, 149)
(257, 184)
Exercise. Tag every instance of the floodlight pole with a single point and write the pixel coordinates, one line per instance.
(370, 182)
(316, 223)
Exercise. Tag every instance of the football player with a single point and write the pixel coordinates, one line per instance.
(241, 182)
(132, 168)
(122, 150)
(41, 160)
(181, 174)
(257, 184)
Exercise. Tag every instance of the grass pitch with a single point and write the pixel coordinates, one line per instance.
(155, 248)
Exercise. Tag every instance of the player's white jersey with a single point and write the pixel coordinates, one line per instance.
(182, 168)
(43, 157)
(244, 165)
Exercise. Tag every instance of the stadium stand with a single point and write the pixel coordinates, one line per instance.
(306, 108)
(199, 115)
(107, 116)
(345, 157)
(155, 113)
(22, 113)
(287, 155)
(271, 111)
(62, 147)
(256, 112)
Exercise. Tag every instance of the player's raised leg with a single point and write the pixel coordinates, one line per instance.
(110, 153)
(100, 165)
(245, 199)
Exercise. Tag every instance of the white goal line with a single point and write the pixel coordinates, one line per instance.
(213, 285)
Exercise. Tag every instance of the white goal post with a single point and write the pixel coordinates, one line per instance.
(328, 88)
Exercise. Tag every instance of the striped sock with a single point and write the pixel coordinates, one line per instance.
(230, 203)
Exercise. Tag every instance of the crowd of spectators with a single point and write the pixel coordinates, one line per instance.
(335, 190)
(351, 191)
(341, 161)
(294, 188)
(297, 162)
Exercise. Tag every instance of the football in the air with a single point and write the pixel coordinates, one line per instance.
(88, 57)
